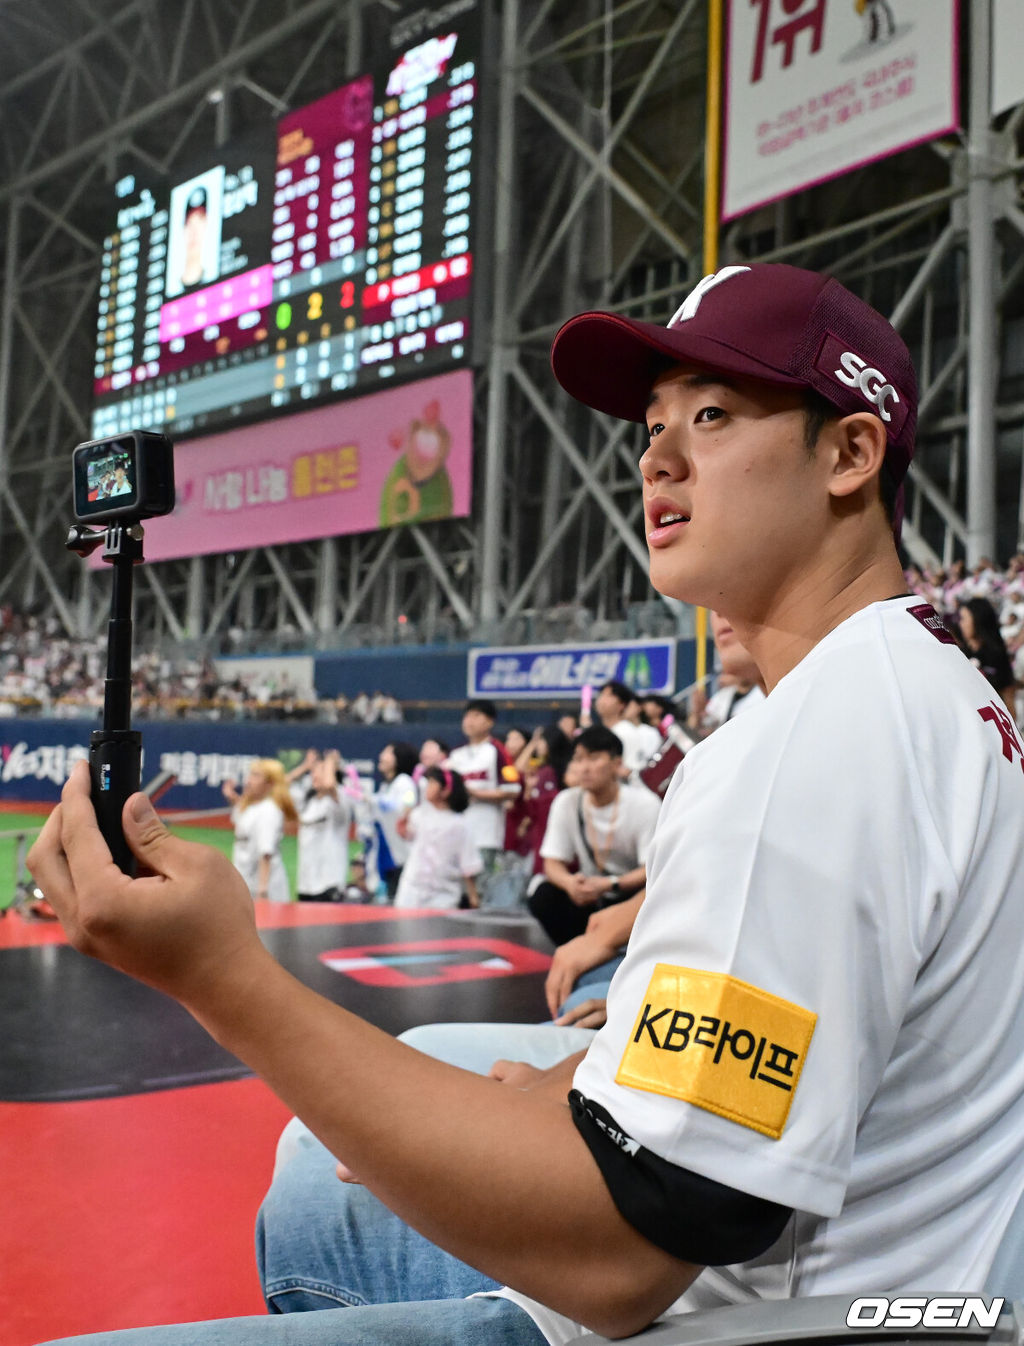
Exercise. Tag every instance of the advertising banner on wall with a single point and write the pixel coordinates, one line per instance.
(542, 672)
(1007, 66)
(815, 88)
(399, 456)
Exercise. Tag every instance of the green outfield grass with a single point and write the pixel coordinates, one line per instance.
(30, 823)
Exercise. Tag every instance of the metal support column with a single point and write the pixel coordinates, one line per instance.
(501, 348)
(7, 344)
(982, 323)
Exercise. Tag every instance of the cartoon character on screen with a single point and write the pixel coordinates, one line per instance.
(418, 487)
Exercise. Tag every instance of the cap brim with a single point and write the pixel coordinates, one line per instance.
(610, 363)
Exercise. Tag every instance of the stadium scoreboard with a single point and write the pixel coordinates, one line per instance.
(319, 258)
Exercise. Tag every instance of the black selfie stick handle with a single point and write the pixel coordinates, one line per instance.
(115, 766)
(115, 751)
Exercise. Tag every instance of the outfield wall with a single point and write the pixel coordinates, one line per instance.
(36, 755)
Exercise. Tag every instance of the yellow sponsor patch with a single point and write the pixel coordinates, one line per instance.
(720, 1044)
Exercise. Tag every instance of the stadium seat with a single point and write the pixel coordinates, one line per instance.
(789, 1322)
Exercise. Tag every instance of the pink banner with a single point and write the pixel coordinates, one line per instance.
(404, 455)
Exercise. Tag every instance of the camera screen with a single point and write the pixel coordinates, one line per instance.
(105, 477)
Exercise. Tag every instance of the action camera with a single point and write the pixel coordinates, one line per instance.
(123, 479)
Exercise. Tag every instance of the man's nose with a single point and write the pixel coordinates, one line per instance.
(664, 458)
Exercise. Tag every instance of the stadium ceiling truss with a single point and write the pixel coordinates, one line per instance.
(596, 201)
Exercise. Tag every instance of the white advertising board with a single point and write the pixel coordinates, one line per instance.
(814, 88)
(1007, 54)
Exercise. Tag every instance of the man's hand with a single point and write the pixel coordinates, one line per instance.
(583, 890)
(177, 929)
(570, 960)
(553, 1083)
(587, 1014)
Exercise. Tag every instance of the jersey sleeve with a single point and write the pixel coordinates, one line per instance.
(772, 962)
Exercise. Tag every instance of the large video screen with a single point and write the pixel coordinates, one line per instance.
(325, 256)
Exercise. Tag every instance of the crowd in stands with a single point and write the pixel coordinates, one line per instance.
(984, 610)
(551, 822)
(43, 671)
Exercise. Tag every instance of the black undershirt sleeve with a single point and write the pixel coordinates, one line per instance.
(687, 1215)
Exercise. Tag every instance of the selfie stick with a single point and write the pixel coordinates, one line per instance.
(115, 751)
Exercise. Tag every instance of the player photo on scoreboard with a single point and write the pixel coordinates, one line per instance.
(193, 251)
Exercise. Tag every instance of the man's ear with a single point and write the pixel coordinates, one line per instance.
(859, 444)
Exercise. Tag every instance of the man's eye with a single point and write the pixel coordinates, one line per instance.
(655, 429)
(707, 414)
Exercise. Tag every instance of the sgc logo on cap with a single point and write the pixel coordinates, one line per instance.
(837, 363)
(856, 373)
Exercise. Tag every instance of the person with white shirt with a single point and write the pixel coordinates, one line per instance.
(816, 1026)
(595, 845)
(259, 815)
(325, 819)
(740, 686)
(443, 859)
(390, 804)
(491, 782)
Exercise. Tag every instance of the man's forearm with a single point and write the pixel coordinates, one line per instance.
(497, 1176)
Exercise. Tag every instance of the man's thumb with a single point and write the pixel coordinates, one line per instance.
(143, 829)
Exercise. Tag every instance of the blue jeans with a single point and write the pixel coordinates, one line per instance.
(332, 1247)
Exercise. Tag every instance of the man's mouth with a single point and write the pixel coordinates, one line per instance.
(665, 524)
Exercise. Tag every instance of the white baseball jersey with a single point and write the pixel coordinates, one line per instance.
(822, 1003)
(441, 854)
(619, 832)
(480, 765)
(392, 802)
(259, 830)
(323, 843)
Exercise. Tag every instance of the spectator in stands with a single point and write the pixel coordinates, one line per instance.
(610, 705)
(569, 724)
(356, 888)
(595, 844)
(443, 859)
(491, 781)
(325, 820)
(392, 802)
(656, 709)
(646, 738)
(984, 644)
(541, 766)
(259, 815)
(433, 752)
(740, 686)
(515, 741)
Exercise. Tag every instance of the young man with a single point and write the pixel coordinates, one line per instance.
(611, 705)
(822, 1001)
(740, 686)
(595, 845)
(491, 782)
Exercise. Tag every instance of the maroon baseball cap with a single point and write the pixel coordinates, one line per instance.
(781, 324)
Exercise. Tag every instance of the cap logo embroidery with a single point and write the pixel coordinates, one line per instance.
(688, 308)
(856, 373)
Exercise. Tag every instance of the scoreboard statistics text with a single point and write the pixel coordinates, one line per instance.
(317, 259)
